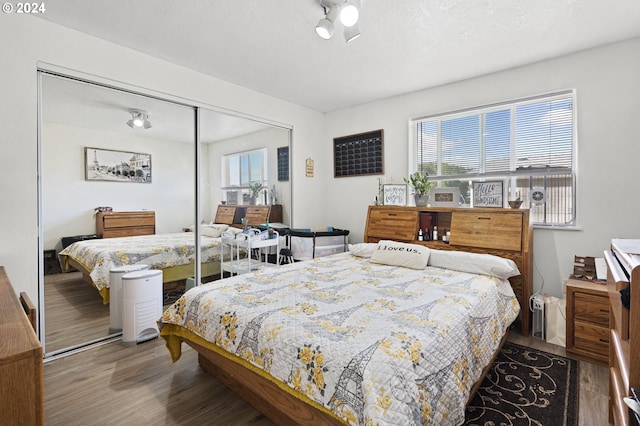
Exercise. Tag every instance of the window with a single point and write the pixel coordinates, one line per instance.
(529, 144)
(241, 169)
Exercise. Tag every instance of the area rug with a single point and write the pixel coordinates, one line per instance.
(527, 387)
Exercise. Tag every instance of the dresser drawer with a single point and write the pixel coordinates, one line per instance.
(129, 221)
(591, 338)
(471, 229)
(591, 308)
(393, 224)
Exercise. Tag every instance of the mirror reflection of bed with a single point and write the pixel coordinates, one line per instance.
(77, 115)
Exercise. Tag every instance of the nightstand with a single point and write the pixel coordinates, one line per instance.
(588, 321)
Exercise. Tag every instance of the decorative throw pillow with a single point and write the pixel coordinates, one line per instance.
(394, 253)
(475, 263)
(362, 249)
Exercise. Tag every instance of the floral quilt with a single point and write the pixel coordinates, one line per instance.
(158, 251)
(372, 343)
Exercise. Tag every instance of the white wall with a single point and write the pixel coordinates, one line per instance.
(26, 40)
(608, 101)
(68, 200)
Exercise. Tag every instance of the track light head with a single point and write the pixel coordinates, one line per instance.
(139, 119)
(348, 11)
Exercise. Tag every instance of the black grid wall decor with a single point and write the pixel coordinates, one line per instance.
(357, 155)
(283, 164)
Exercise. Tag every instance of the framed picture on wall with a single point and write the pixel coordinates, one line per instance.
(394, 195)
(116, 166)
(488, 194)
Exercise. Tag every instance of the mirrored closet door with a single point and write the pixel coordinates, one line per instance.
(103, 177)
(96, 160)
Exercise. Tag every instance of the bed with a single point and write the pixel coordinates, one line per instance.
(363, 337)
(173, 253)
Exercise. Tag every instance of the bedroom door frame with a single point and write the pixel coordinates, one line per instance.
(62, 72)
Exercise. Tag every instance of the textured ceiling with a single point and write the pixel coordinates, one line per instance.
(406, 45)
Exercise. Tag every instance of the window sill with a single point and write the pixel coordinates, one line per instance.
(558, 228)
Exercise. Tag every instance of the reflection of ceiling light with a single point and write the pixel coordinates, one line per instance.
(139, 119)
(347, 10)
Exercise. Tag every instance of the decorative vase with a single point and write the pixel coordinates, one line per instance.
(252, 201)
(421, 200)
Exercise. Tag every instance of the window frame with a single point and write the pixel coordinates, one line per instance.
(243, 188)
(511, 176)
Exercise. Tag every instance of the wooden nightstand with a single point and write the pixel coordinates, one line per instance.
(588, 321)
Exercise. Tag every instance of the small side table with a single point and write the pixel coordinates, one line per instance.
(588, 321)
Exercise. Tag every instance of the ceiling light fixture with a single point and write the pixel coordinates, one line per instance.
(139, 118)
(347, 10)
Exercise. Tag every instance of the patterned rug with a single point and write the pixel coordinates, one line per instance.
(527, 387)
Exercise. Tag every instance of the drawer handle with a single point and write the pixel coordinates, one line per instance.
(604, 341)
(484, 218)
(604, 311)
(393, 214)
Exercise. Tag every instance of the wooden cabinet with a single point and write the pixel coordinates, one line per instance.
(587, 321)
(623, 272)
(21, 369)
(501, 232)
(125, 224)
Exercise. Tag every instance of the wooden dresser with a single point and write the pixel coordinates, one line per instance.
(510, 231)
(588, 321)
(623, 272)
(125, 224)
(21, 366)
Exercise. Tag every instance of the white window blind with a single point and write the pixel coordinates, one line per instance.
(528, 143)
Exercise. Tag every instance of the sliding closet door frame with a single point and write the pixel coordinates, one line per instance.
(58, 72)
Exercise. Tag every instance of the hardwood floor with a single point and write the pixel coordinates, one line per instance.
(74, 312)
(139, 385)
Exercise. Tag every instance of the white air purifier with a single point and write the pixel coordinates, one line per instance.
(142, 305)
(115, 295)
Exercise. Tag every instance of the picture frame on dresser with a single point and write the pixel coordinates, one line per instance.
(394, 195)
(116, 166)
(444, 197)
(488, 194)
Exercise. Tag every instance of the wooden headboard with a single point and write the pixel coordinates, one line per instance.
(502, 232)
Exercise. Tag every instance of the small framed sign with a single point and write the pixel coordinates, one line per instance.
(395, 195)
(488, 194)
(444, 197)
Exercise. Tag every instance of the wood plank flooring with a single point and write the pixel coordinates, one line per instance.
(139, 385)
(74, 312)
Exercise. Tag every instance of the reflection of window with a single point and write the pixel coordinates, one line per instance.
(528, 143)
(240, 169)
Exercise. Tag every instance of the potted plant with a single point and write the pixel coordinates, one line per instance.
(420, 186)
(254, 191)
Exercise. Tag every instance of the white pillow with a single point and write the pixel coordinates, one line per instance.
(234, 230)
(394, 253)
(213, 231)
(475, 263)
(362, 249)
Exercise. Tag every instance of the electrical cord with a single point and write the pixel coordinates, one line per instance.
(533, 296)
